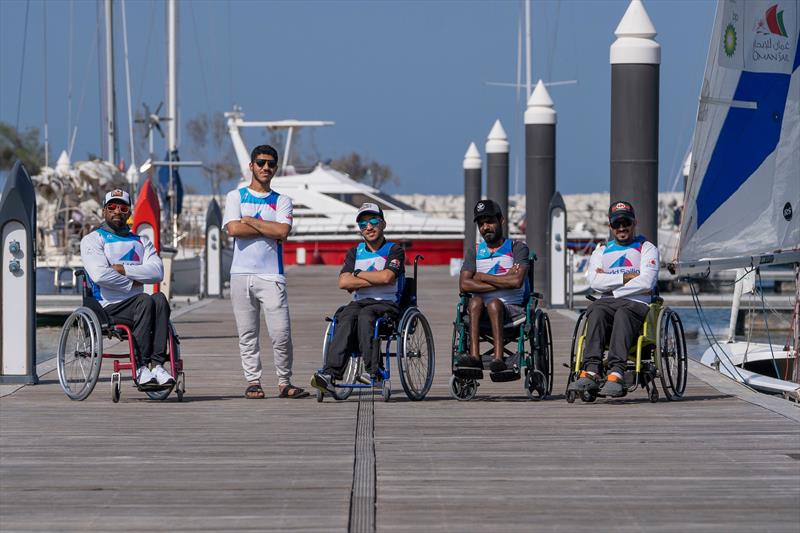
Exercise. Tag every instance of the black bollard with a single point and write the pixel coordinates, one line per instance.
(497, 170)
(472, 193)
(540, 181)
(635, 58)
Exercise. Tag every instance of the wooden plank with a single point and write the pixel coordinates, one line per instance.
(220, 462)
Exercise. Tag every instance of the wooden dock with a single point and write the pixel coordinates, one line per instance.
(723, 459)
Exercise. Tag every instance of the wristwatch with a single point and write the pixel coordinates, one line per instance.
(356, 272)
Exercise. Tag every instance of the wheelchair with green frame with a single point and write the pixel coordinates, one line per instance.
(658, 354)
(413, 349)
(532, 357)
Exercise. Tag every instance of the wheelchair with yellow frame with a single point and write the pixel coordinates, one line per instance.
(659, 353)
(532, 358)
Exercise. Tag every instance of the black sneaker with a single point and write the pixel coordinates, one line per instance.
(466, 361)
(586, 382)
(323, 382)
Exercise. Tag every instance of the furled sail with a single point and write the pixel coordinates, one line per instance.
(743, 194)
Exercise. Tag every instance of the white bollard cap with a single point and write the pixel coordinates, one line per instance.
(540, 107)
(635, 42)
(472, 159)
(497, 142)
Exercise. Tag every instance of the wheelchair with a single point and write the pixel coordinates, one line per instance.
(80, 351)
(535, 363)
(659, 353)
(414, 350)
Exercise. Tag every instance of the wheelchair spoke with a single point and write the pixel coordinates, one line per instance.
(79, 354)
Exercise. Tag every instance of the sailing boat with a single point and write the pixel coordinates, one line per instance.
(742, 205)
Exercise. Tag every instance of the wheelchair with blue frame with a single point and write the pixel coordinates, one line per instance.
(532, 357)
(413, 349)
(81, 353)
(659, 353)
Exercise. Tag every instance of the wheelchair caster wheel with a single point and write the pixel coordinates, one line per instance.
(588, 397)
(116, 387)
(571, 396)
(386, 391)
(463, 389)
(535, 385)
(653, 395)
(180, 386)
(320, 396)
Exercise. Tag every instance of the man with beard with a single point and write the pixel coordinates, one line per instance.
(625, 272)
(118, 262)
(372, 272)
(495, 274)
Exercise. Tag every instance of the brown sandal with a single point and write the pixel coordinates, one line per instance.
(254, 392)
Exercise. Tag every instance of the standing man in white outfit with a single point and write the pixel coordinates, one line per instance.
(260, 220)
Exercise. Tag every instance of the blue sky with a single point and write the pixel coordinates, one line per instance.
(404, 81)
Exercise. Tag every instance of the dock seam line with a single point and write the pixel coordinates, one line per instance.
(363, 491)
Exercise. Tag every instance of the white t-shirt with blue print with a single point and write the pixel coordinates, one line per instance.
(260, 256)
(497, 262)
(389, 256)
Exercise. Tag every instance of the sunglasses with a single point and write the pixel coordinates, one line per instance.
(271, 163)
(622, 223)
(122, 208)
(374, 221)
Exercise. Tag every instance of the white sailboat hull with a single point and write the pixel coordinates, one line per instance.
(732, 360)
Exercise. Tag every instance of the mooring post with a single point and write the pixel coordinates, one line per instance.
(497, 169)
(472, 193)
(213, 255)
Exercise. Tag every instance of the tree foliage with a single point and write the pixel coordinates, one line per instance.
(208, 135)
(365, 170)
(24, 146)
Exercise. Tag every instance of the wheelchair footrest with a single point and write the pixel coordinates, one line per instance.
(506, 375)
(467, 372)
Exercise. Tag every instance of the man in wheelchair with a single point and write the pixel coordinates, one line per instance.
(372, 272)
(494, 274)
(118, 262)
(625, 272)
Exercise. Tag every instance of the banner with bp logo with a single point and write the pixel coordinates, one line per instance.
(759, 35)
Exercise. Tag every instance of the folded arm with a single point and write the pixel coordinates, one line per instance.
(100, 271)
(468, 283)
(598, 280)
(645, 282)
(241, 230)
(349, 282)
(272, 230)
(150, 271)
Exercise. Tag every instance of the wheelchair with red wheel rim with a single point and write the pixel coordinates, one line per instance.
(81, 352)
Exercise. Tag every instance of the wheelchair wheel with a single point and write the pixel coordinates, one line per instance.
(350, 372)
(671, 359)
(174, 349)
(573, 352)
(415, 354)
(80, 354)
(463, 389)
(539, 378)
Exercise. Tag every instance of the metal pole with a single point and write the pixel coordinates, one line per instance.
(540, 180)
(635, 57)
(472, 193)
(172, 109)
(528, 51)
(111, 119)
(497, 170)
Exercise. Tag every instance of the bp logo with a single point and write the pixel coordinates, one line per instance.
(729, 40)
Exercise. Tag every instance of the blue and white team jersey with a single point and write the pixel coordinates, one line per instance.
(615, 260)
(389, 256)
(497, 262)
(260, 256)
(103, 248)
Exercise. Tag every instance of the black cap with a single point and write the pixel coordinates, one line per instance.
(487, 208)
(620, 209)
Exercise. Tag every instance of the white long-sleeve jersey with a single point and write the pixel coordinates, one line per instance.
(102, 248)
(616, 260)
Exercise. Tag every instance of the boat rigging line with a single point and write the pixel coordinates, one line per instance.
(128, 93)
(44, 89)
(22, 64)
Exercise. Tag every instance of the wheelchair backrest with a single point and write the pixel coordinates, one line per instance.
(408, 293)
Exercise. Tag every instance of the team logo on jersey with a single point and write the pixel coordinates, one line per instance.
(131, 256)
(395, 263)
(497, 269)
(622, 262)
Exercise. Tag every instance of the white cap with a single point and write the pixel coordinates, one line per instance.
(119, 195)
(368, 207)
(635, 42)
(497, 142)
(472, 159)
(540, 107)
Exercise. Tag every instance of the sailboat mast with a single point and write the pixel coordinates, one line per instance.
(111, 119)
(172, 107)
(527, 49)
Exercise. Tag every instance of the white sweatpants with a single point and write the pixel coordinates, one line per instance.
(249, 295)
